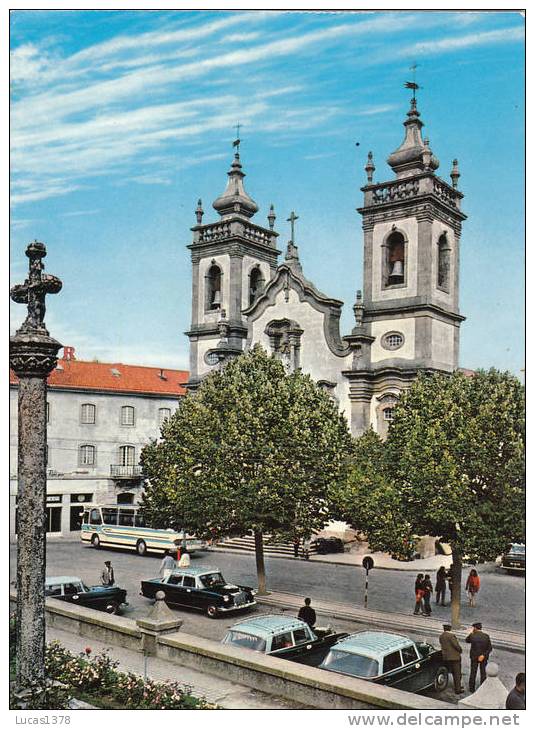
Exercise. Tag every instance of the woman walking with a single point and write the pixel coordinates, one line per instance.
(473, 584)
(419, 592)
(427, 587)
(440, 587)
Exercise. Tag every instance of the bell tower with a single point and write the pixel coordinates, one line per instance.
(232, 260)
(409, 310)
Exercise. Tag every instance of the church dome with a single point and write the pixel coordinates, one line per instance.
(414, 154)
(235, 201)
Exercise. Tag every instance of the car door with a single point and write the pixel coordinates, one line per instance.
(73, 592)
(307, 649)
(173, 589)
(416, 670)
(394, 673)
(189, 592)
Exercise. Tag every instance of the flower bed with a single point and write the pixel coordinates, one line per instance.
(96, 680)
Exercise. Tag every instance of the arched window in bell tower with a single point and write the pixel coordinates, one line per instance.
(394, 259)
(213, 287)
(443, 263)
(256, 284)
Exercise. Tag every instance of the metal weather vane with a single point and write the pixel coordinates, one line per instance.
(412, 84)
(236, 142)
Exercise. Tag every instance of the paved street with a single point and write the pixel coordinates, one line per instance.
(501, 601)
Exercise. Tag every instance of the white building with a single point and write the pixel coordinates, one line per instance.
(407, 315)
(99, 417)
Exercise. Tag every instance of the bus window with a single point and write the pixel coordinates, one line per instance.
(109, 515)
(139, 521)
(94, 517)
(126, 517)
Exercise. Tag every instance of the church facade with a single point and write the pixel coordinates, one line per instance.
(406, 314)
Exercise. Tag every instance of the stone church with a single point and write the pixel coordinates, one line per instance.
(406, 315)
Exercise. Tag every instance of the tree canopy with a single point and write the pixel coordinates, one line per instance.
(254, 449)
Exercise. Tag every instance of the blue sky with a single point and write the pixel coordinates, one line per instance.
(120, 121)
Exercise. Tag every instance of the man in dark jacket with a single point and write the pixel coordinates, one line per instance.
(517, 695)
(307, 613)
(480, 648)
(451, 653)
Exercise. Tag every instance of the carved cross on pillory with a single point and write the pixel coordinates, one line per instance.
(32, 356)
(293, 217)
(33, 291)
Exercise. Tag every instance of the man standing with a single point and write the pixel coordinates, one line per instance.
(451, 653)
(107, 577)
(517, 695)
(307, 613)
(480, 649)
(167, 565)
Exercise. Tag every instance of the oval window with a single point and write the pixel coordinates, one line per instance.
(392, 340)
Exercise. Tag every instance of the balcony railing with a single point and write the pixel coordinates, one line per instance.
(126, 471)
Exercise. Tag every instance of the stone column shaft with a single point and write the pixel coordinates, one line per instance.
(31, 547)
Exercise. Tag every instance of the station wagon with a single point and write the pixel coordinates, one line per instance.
(283, 637)
(389, 659)
(73, 589)
(201, 588)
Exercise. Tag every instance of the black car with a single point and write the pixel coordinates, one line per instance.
(389, 659)
(515, 559)
(72, 589)
(201, 588)
(283, 637)
(329, 545)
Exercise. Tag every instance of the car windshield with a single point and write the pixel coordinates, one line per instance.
(245, 640)
(213, 579)
(351, 663)
(518, 549)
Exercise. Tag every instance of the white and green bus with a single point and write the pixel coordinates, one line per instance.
(120, 525)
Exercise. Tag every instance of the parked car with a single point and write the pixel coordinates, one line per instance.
(202, 588)
(515, 559)
(284, 637)
(329, 545)
(72, 589)
(388, 659)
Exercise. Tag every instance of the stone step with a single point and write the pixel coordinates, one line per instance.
(246, 544)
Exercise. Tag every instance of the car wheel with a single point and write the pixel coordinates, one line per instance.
(95, 541)
(141, 548)
(441, 679)
(112, 608)
(211, 611)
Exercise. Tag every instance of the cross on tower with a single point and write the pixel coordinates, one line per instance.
(293, 217)
(34, 289)
(236, 142)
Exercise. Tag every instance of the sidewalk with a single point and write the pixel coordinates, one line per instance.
(382, 560)
(507, 640)
(226, 694)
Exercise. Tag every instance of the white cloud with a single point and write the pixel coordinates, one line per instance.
(455, 43)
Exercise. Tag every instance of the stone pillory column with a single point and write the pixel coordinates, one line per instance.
(33, 355)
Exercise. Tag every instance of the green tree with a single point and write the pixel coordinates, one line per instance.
(254, 449)
(452, 467)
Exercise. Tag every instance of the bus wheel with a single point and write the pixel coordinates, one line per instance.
(95, 541)
(211, 611)
(141, 548)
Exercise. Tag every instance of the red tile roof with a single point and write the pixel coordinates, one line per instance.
(76, 374)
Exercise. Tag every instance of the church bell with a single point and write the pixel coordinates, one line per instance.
(216, 301)
(396, 275)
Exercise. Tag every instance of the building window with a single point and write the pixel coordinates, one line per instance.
(213, 287)
(163, 415)
(127, 455)
(394, 261)
(87, 413)
(256, 284)
(443, 263)
(127, 415)
(392, 340)
(388, 414)
(87, 455)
